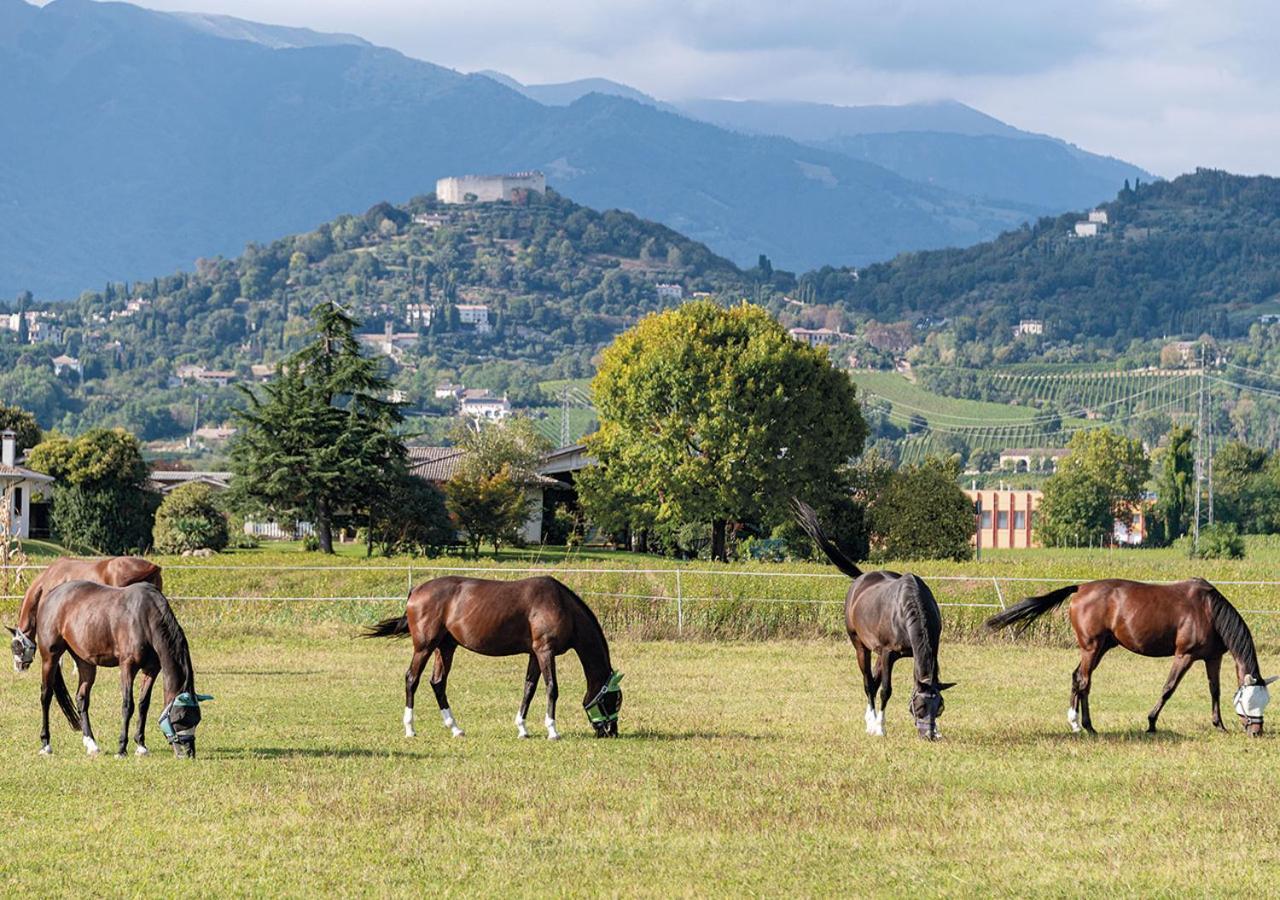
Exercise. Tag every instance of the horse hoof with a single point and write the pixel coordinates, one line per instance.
(522, 734)
(46, 750)
(553, 737)
(458, 732)
(141, 751)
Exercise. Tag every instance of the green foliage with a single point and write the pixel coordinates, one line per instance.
(710, 415)
(921, 513)
(1175, 483)
(1100, 481)
(513, 444)
(319, 438)
(189, 519)
(487, 508)
(22, 423)
(410, 518)
(1219, 541)
(99, 500)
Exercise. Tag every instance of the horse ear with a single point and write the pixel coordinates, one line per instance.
(12, 631)
(943, 685)
(1264, 681)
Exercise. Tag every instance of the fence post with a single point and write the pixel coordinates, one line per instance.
(679, 605)
(999, 596)
(410, 580)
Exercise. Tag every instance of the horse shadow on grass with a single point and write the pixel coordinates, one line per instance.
(1133, 737)
(315, 753)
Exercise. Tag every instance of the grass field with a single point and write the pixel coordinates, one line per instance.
(743, 769)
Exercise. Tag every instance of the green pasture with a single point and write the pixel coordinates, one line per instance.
(743, 769)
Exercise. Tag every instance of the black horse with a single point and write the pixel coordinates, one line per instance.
(893, 616)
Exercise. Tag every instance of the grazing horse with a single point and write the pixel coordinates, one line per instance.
(130, 627)
(117, 571)
(535, 616)
(1188, 620)
(893, 616)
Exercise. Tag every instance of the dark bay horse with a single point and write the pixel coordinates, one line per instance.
(1188, 620)
(893, 616)
(117, 571)
(535, 616)
(130, 627)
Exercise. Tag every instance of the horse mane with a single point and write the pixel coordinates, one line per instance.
(922, 649)
(170, 632)
(590, 615)
(1234, 632)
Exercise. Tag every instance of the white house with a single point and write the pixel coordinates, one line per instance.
(483, 404)
(476, 314)
(1028, 326)
(816, 337)
(490, 188)
(419, 315)
(1098, 216)
(670, 292)
(1087, 229)
(63, 363)
(18, 483)
(447, 390)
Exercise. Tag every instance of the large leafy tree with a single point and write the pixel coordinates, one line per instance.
(320, 439)
(100, 502)
(22, 423)
(1175, 483)
(1098, 482)
(921, 513)
(487, 494)
(710, 415)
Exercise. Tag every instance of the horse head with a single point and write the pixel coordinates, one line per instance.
(24, 650)
(178, 721)
(927, 704)
(1251, 700)
(602, 708)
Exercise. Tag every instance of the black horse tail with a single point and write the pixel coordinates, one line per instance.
(807, 519)
(393, 627)
(1024, 613)
(64, 698)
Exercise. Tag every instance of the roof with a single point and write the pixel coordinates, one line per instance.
(17, 473)
(1035, 451)
(165, 480)
(439, 464)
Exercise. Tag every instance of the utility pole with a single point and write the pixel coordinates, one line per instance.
(1200, 441)
(564, 416)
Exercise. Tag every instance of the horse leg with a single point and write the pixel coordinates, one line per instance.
(127, 673)
(411, 679)
(547, 662)
(439, 682)
(1089, 659)
(88, 673)
(47, 665)
(1213, 668)
(530, 686)
(887, 660)
(1180, 665)
(870, 682)
(1073, 708)
(144, 704)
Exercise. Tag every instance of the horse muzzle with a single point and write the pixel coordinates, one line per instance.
(184, 746)
(927, 729)
(1252, 725)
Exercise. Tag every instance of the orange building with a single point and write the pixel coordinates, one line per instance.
(1005, 518)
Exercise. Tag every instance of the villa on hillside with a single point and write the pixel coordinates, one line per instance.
(21, 484)
(817, 337)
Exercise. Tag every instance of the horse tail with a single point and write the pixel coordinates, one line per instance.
(64, 698)
(1024, 613)
(396, 626)
(807, 519)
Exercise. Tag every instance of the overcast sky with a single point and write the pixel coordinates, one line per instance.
(1166, 84)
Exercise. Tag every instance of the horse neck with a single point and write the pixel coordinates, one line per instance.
(592, 649)
(924, 652)
(175, 662)
(30, 602)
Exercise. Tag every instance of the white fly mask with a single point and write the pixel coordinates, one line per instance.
(1252, 699)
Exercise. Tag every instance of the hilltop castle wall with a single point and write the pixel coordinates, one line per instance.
(489, 188)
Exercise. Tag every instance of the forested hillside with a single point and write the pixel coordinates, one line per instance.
(557, 281)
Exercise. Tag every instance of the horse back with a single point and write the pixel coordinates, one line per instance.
(99, 623)
(874, 612)
(493, 617)
(1148, 619)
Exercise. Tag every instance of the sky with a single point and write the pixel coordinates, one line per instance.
(1166, 84)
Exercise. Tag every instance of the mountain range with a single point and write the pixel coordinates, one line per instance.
(142, 140)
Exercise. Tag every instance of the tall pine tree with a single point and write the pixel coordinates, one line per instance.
(320, 440)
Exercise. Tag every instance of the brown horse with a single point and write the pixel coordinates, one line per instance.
(1188, 620)
(893, 616)
(130, 627)
(117, 571)
(535, 616)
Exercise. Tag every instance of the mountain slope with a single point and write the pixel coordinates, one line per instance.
(1196, 254)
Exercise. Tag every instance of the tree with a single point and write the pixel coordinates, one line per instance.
(410, 517)
(319, 439)
(100, 502)
(189, 519)
(486, 495)
(1175, 483)
(1099, 481)
(922, 513)
(710, 415)
(1246, 488)
(22, 423)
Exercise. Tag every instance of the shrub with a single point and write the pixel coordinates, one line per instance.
(189, 519)
(1220, 541)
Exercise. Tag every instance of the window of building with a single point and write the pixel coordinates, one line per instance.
(1020, 520)
(1002, 519)
(986, 519)
(17, 501)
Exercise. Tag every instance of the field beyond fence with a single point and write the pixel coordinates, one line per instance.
(643, 597)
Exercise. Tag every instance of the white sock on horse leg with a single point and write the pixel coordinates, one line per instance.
(90, 746)
(520, 729)
(870, 718)
(408, 722)
(552, 734)
(1073, 719)
(880, 723)
(450, 722)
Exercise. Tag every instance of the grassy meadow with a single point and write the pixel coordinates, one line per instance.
(743, 766)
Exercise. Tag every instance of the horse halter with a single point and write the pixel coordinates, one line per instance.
(27, 647)
(1251, 700)
(602, 709)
